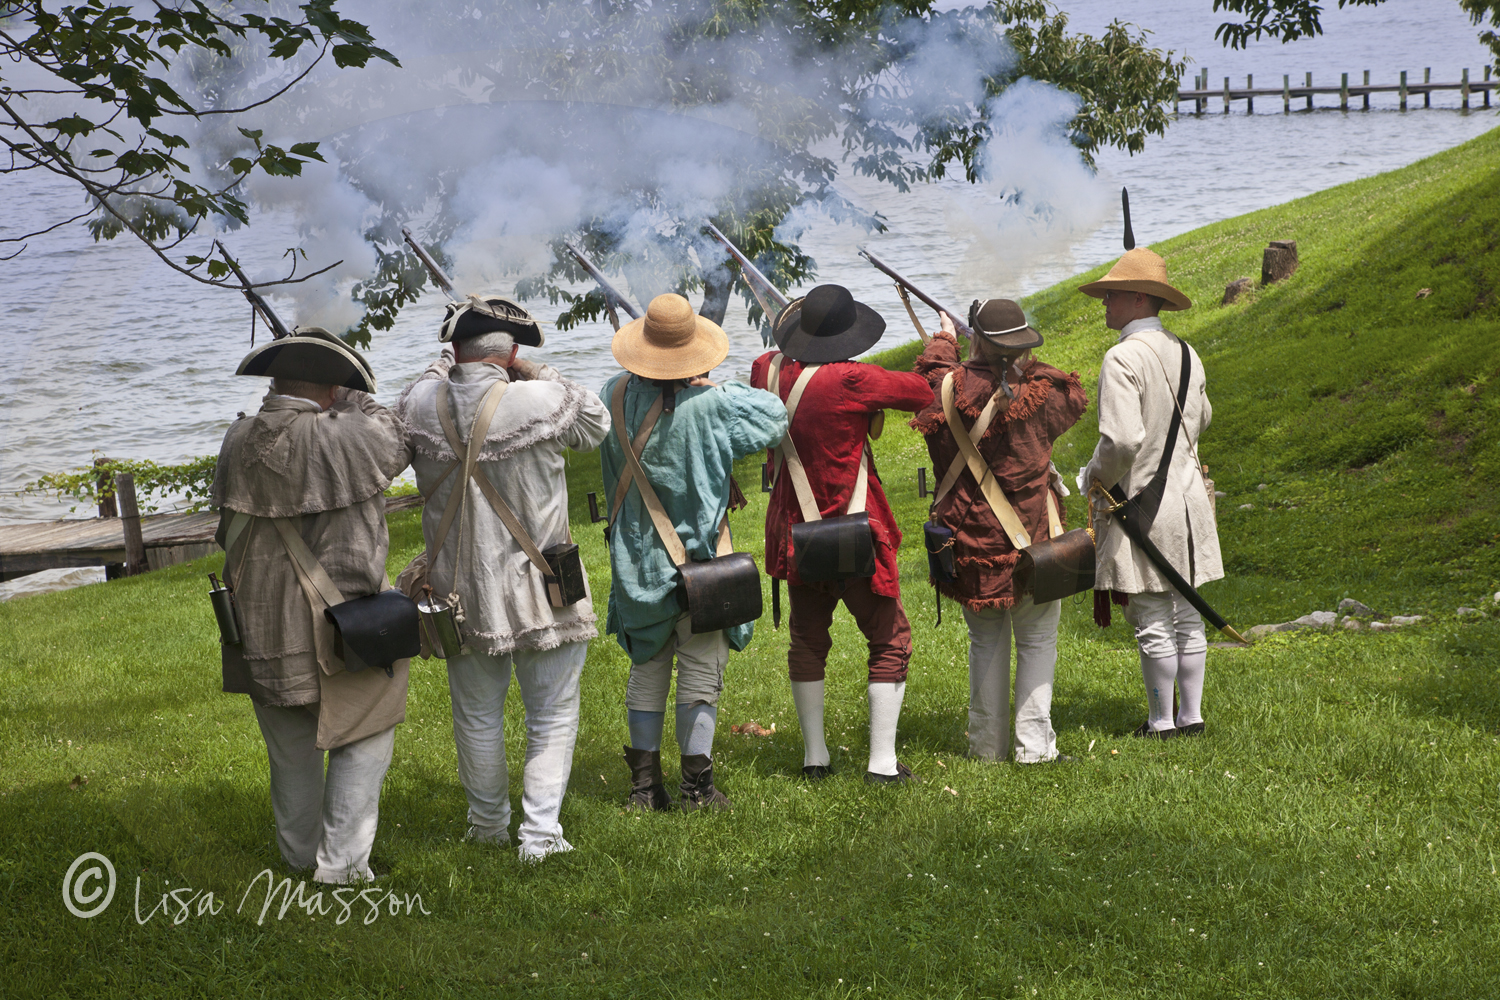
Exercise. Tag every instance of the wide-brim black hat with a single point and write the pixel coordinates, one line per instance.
(1003, 323)
(310, 354)
(481, 314)
(825, 325)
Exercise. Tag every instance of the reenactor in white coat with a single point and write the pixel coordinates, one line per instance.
(1147, 411)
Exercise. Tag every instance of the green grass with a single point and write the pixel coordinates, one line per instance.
(1337, 765)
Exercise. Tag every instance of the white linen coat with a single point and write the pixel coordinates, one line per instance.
(503, 595)
(1138, 383)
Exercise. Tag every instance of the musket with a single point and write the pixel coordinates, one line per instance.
(612, 296)
(1137, 533)
(438, 277)
(258, 304)
(767, 294)
(958, 324)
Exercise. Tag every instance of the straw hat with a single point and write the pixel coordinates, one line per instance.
(827, 325)
(481, 314)
(670, 341)
(310, 354)
(1003, 323)
(1139, 270)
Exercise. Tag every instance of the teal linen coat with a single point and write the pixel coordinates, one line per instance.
(688, 458)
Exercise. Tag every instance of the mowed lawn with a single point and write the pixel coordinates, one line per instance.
(1333, 835)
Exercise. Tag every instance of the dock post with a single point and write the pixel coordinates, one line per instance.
(1250, 100)
(1427, 94)
(1367, 93)
(130, 518)
(1486, 89)
(1286, 93)
(1344, 93)
(1226, 95)
(103, 491)
(1403, 90)
(1309, 93)
(1199, 82)
(1464, 88)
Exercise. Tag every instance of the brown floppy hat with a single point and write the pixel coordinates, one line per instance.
(1003, 323)
(310, 354)
(1139, 270)
(670, 341)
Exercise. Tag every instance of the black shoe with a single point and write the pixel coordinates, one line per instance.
(816, 772)
(647, 793)
(903, 774)
(1145, 731)
(1191, 729)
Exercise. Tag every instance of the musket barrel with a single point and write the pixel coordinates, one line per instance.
(766, 290)
(958, 324)
(259, 304)
(438, 276)
(611, 294)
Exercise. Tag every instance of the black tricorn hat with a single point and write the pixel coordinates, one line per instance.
(1003, 323)
(481, 314)
(827, 325)
(310, 354)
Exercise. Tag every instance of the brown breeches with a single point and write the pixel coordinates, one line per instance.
(880, 618)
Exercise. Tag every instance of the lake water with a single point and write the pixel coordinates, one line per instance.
(103, 350)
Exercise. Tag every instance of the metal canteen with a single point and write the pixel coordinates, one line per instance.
(440, 620)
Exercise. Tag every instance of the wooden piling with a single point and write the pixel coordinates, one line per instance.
(1487, 89)
(1309, 96)
(1367, 93)
(1465, 90)
(1226, 95)
(130, 519)
(1286, 93)
(1403, 90)
(1344, 93)
(1250, 101)
(103, 490)
(1427, 94)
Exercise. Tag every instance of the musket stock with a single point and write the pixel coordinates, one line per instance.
(880, 265)
(612, 296)
(438, 277)
(260, 305)
(771, 300)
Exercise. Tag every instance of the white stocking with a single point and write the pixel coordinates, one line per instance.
(885, 710)
(1159, 672)
(1190, 671)
(808, 697)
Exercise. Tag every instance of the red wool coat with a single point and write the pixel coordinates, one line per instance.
(1018, 446)
(829, 431)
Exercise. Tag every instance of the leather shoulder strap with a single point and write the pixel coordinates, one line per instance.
(786, 451)
(982, 473)
(315, 581)
(503, 510)
(676, 551)
(976, 434)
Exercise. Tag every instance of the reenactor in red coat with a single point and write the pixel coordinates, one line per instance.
(829, 531)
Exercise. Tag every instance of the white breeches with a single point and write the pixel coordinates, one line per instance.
(324, 821)
(1166, 625)
(701, 660)
(990, 630)
(548, 679)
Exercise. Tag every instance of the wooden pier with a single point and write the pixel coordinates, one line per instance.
(1201, 94)
(100, 541)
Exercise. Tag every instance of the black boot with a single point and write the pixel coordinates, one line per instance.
(646, 789)
(698, 791)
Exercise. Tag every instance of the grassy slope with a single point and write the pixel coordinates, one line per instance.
(1338, 765)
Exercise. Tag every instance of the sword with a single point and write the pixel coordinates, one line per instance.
(1133, 530)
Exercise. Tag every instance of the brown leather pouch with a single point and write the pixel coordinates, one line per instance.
(1055, 568)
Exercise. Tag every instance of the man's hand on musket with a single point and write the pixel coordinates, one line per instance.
(522, 369)
(946, 327)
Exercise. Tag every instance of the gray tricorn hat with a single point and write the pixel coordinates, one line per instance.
(1003, 323)
(310, 354)
(481, 314)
